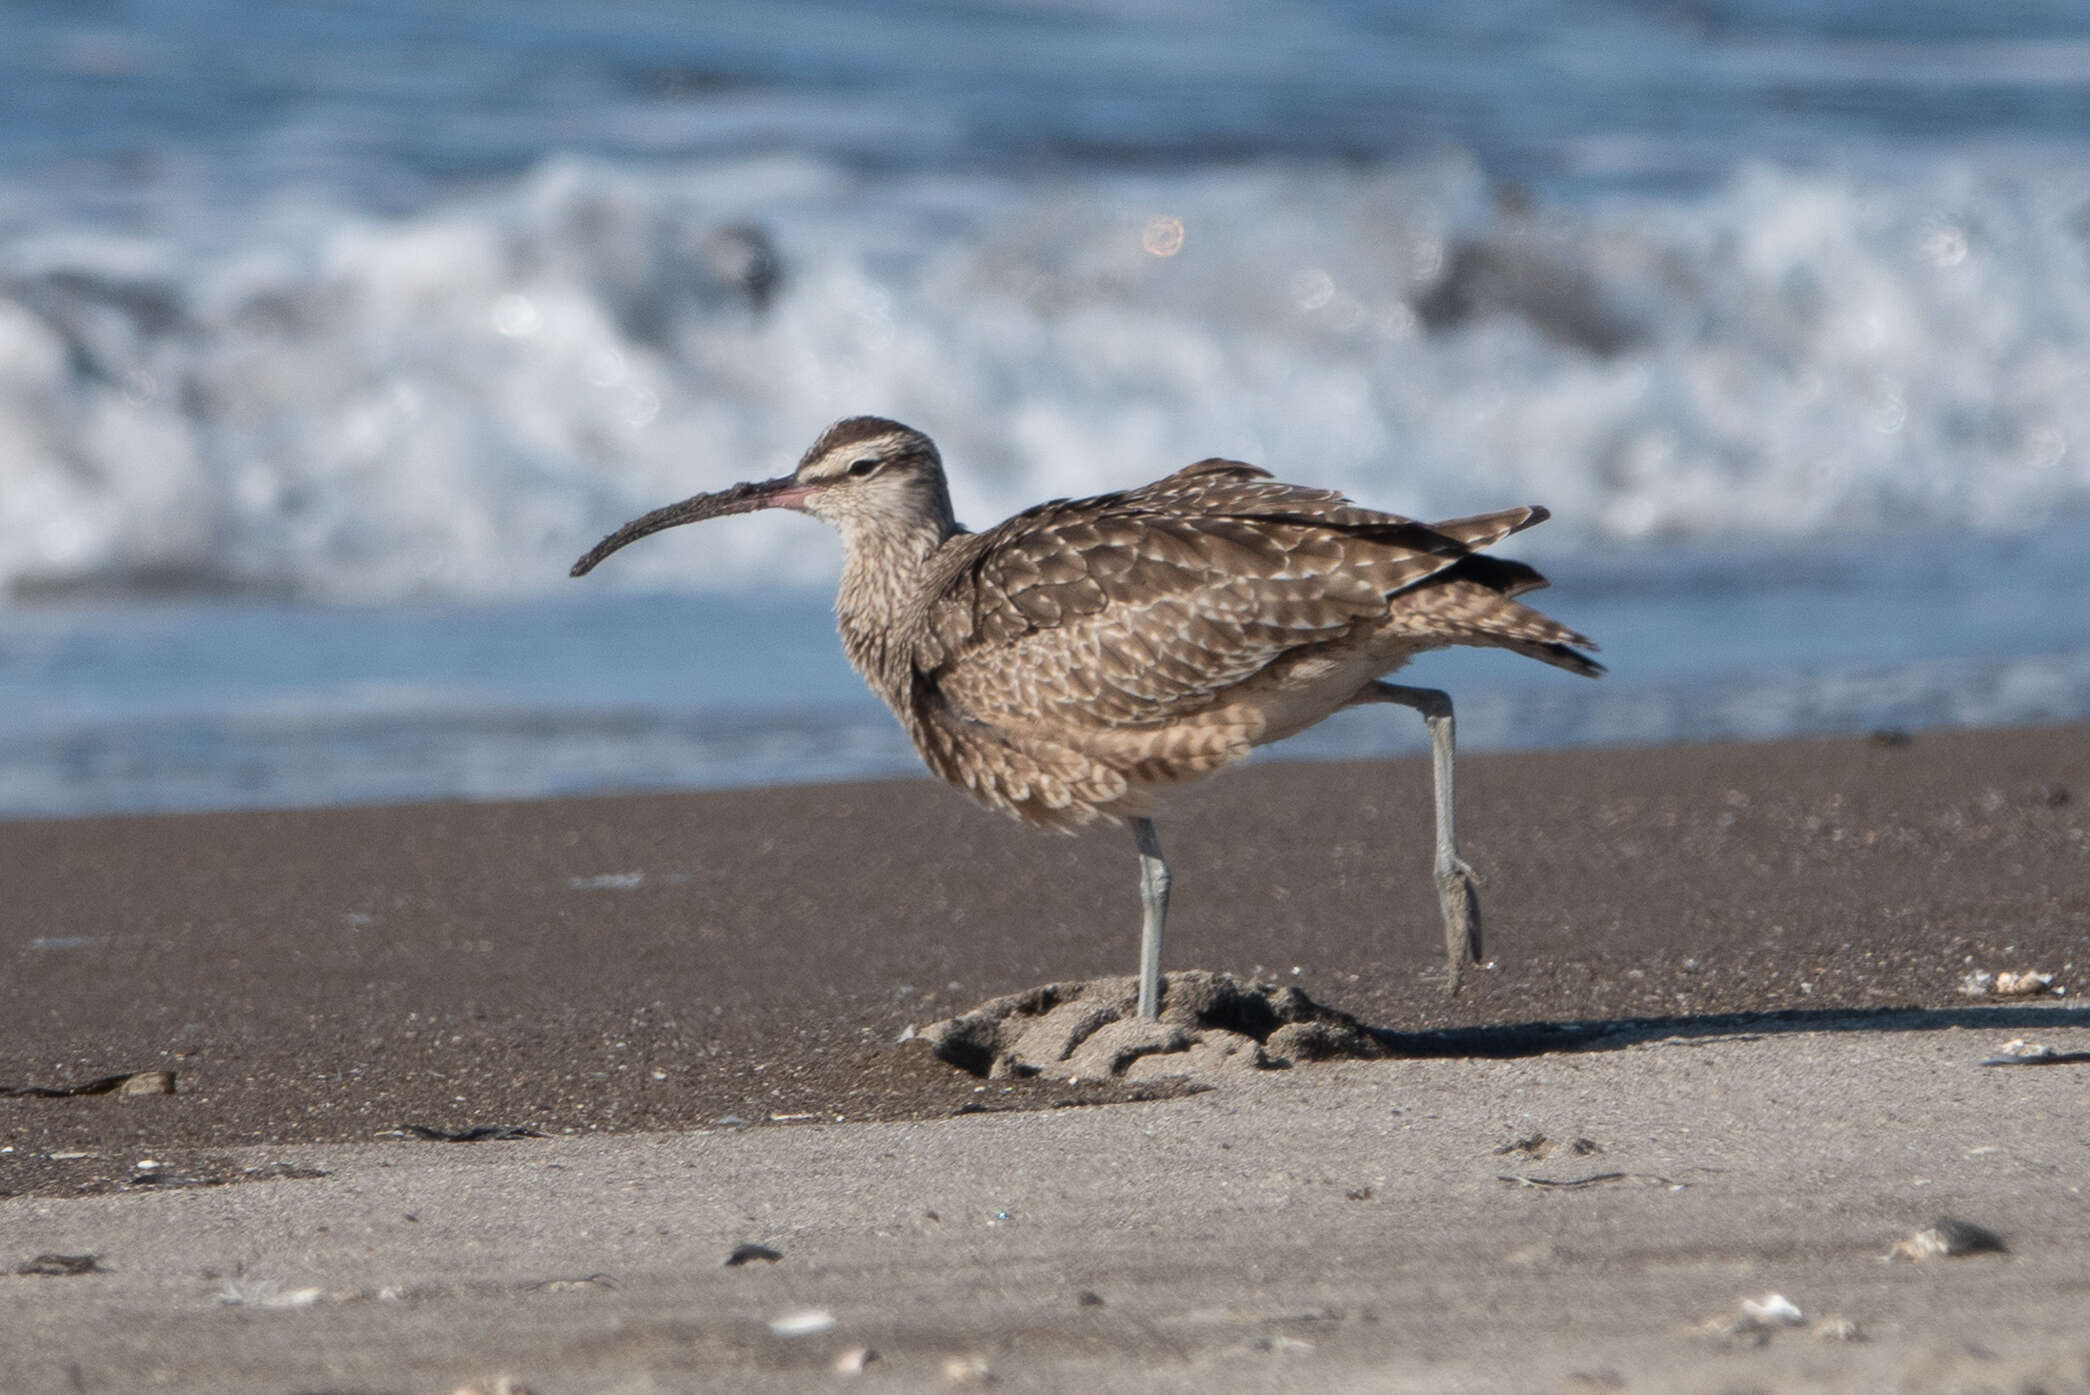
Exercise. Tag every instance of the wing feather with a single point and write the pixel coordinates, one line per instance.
(1138, 608)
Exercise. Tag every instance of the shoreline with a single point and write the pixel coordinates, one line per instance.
(1734, 969)
(638, 961)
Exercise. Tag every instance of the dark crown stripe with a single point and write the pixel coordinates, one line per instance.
(851, 430)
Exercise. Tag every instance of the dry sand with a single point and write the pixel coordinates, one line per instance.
(1734, 970)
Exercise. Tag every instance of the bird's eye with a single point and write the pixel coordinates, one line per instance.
(859, 468)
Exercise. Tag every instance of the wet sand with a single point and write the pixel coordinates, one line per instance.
(1696, 954)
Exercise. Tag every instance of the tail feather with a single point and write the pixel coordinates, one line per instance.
(1461, 610)
(1559, 655)
(1483, 530)
(1513, 625)
(1498, 574)
(1470, 601)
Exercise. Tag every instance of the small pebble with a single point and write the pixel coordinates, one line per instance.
(2011, 983)
(854, 1361)
(292, 1298)
(967, 1370)
(809, 1322)
(747, 1254)
(1948, 1237)
(498, 1385)
(1753, 1320)
(1773, 1310)
(1280, 1343)
(62, 1266)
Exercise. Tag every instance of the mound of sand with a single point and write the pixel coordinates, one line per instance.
(1210, 1024)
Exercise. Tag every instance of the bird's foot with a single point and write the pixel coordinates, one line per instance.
(1459, 899)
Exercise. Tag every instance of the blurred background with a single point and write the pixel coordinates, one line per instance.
(330, 333)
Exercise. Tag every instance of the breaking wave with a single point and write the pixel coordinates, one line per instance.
(314, 401)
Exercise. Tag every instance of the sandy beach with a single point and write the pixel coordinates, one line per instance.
(1737, 971)
(426, 967)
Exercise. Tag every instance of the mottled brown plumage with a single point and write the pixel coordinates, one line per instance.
(1069, 663)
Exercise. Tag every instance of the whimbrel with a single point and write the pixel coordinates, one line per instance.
(1070, 664)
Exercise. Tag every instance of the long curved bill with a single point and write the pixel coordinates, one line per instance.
(784, 492)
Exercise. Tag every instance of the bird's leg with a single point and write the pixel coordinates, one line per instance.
(1456, 896)
(1153, 901)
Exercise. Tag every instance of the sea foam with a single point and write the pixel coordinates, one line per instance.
(316, 401)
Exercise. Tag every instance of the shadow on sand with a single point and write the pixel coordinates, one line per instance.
(1511, 1041)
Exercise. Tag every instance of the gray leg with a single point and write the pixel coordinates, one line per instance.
(1153, 900)
(1456, 896)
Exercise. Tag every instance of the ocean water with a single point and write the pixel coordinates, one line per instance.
(329, 335)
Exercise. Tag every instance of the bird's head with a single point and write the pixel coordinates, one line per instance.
(864, 473)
